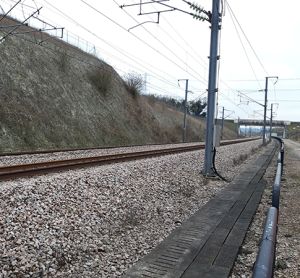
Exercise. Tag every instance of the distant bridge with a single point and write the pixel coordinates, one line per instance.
(250, 122)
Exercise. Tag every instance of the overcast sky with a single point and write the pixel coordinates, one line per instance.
(178, 47)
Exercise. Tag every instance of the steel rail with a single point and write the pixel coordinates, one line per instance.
(30, 169)
(100, 148)
(81, 149)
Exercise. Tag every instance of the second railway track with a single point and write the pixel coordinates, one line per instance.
(30, 169)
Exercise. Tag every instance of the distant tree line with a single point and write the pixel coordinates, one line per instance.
(194, 107)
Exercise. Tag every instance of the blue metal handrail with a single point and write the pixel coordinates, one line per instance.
(266, 256)
(264, 265)
(276, 187)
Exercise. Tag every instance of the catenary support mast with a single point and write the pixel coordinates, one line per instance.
(212, 88)
(265, 111)
(266, 105)
(185, 110)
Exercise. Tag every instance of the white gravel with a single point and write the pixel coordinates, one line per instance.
(97, 222)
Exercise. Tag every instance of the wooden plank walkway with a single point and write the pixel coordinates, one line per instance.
(206, 244)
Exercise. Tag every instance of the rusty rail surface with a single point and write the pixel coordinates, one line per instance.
(48, 151)
(30, 169)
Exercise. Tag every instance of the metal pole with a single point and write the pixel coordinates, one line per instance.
(271, 121)
(265, 111)
(213, 61)
(222, 126)
(266, 105)
(185, 111)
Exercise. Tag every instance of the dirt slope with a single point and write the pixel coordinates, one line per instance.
(55, 96)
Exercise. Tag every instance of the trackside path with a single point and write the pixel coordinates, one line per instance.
(206, 245)
(288, 237)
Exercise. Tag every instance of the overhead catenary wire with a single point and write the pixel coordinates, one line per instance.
(244, 48)
(257, 57)
(197, 59)
(97, 36)
(284, 100)
(88, 63)
(129, 56)
(138, 38)
(84, 61)
(237, 22)
(221, 81)
(18, 26)
(102, 67)
(3, 16)
(156, 88)
(228, 97)
(194, 54)
(232, 102)
(122, 52)
(254, 80)
(159, 41)
(189, 46)
(248, 91)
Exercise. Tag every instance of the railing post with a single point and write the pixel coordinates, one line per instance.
(282, 153)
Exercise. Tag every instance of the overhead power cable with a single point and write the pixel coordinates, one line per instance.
(254, 80)
(233, 103)
(163, 44)
(190, 47)
(136, 60)
(248, 91)
(18, 26)
(137, 37)
(85, 62)
(284, 100)
(75, 57)
(122, 52)
(258, 59)
(6, 14)
(244, 48)
(195, 56)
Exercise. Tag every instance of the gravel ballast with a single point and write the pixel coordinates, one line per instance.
(97, 222)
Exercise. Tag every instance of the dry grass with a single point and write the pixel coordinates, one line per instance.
(101, 79)
(53, 100)
(133, 83)
(240, 159)
(63, 61)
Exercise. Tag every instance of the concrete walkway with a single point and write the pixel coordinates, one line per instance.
(207, 243)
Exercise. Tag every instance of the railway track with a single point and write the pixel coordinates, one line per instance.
(31, 169)
(50, 151)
